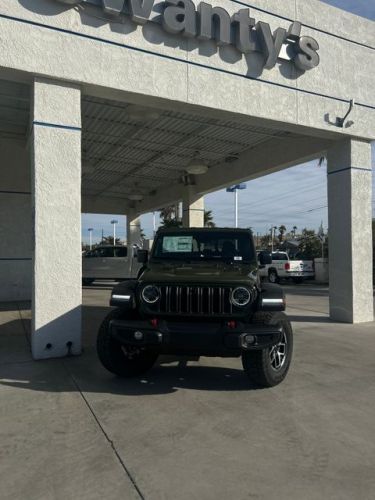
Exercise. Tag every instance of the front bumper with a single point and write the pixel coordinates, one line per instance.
(208, 338)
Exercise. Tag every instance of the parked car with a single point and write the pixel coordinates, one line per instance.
(199, 294)
(283, 266)
(109, 262)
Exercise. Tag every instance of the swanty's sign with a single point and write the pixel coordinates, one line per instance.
(181, 17)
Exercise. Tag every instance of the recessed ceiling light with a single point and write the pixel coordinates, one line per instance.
(197, 167)
(135, 197)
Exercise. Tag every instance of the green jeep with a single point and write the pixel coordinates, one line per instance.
(198, 294)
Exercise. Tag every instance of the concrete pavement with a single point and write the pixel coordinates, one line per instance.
(69, 429)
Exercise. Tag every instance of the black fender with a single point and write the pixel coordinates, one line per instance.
(140, 272)
(271, 298)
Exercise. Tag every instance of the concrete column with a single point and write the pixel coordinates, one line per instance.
(133, 230)
(56, 205)
(350, 239)
(133, 237)
(192, 209)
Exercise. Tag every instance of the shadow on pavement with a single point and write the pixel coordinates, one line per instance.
(87, 375)
(309, 319)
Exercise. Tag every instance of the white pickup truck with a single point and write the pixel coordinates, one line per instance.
(107, 262)
(285, 267)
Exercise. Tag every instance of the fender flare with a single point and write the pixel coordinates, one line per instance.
(271, 298)
(125, 288)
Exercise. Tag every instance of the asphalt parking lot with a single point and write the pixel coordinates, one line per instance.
(70, 430)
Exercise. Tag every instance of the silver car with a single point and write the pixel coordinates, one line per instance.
(109, 262)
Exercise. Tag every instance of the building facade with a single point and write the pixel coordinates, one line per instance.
(105, 106)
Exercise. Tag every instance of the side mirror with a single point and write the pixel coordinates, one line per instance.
(142, 256)
(265, 259)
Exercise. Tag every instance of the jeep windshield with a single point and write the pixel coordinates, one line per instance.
(225, 246)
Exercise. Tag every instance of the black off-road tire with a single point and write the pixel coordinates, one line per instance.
(112, 355)
(273, 277)
(257, 364)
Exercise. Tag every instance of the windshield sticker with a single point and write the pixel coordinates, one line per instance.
(177, 244)
(237, 257)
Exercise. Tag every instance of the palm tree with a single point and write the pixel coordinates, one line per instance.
(282, 230)
(169, 216)
(168, 213)
(108, 240)
(209, 219)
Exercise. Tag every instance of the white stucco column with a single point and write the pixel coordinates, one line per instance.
(133, 237)
(350, 232)
(192, 209)
(133, 230)
(56, 195)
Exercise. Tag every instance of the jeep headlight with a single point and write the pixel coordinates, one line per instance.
(240, 296)
(150, 294)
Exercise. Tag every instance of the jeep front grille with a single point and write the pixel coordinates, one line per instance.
(195, 300)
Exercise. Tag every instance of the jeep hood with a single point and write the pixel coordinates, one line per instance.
(200, 272)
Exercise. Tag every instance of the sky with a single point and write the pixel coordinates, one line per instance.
(293, 197)
(365, 8)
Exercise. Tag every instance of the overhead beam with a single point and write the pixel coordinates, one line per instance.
(278, 154)
(105, 205)
(267, 158)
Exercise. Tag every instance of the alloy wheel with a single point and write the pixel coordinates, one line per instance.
(278, 353)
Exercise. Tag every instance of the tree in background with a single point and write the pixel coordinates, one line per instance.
(169, 213)
(169, 216)
(108, 240)
(282, 231)
(311, 245)
(264, 242)
(209, 219)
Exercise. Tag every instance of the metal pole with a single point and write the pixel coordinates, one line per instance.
(114, 222)
(154, 222)
(236, 206)
(274, 234)
(90, 230)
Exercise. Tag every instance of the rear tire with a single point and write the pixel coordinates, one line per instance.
(270, 366)
(121, 359)
(273, 277)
